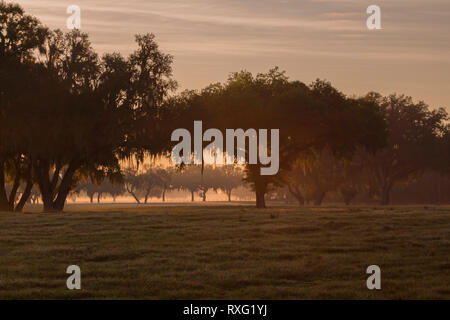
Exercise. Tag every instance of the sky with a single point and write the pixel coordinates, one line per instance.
(310, 39)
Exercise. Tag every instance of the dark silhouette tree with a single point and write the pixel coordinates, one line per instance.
(66, 114)
(91, 113)
(415, 133)
(308, 117)
(21, 37)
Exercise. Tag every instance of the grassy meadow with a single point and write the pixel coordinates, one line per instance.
(226, 252)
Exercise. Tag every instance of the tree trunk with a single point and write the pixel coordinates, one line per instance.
(42, 169)
(385, 196)
(64, 188)
(147, 194)
(25, 196)
(439, 187)
(229, 195)
(192, 196)
(135, 197)
(386, 192)
(260, 198)
(319, 199)
(13, 193)
(49, 206)
(130, 191)
(4, 203)
(49, 187)
(297, 194)
(99, 195)
(164, 195)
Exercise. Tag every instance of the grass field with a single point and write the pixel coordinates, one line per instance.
(225, 252)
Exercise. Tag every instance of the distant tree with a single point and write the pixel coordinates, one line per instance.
(133, 183)
(114, 190)
(88, 187)
(165, 181)
(208, 181)
(35, 195)
(143, 184)
(228, 178)
(190, 179)
(281, 194)
(151, 179)
(92, 187)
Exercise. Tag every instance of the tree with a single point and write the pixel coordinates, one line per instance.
(191, 179)
(35, 195)
(90, 113)
(133, 183)
(151, 179)
(93, 188)
(143, 184)
(114, 189)
(314, 175)
(208, 180)
(308, 117)
(165, 181)
(415, 133)
(228, 178)
(352, 178)
(21, 37)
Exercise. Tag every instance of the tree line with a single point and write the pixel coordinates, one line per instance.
(157, 182)
(68, 116)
